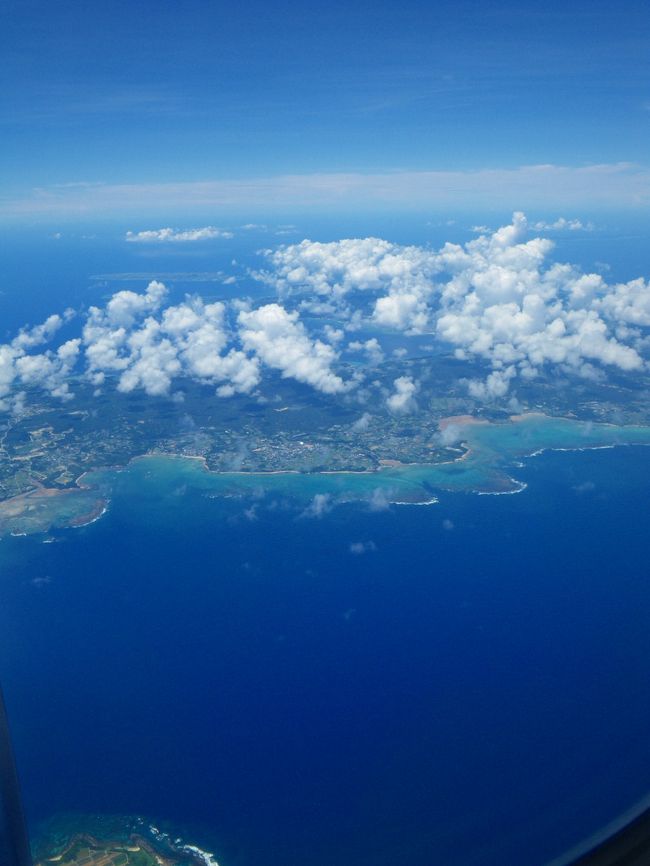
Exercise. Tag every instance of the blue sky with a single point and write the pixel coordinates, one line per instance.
(186, 109)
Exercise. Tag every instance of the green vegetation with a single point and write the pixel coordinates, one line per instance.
(87, 851)
(286, 426)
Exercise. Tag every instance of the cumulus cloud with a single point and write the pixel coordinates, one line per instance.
(125, 307)
(139, 342)
(169, 235)
(185, 339)
(334, 335)
(402, 400)
(342, 266)
(563, 224)
(281, 341)
(401, 275)
(404, 311)
(201, 335)
(371, 347)
(48, 370)
(39, 334)
(496, 385)
(499, 298)
(625, 303)
(505, 302)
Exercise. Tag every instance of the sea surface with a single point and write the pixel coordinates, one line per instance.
(463, 683)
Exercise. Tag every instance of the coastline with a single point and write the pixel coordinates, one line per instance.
(485, 460)
(460, 421)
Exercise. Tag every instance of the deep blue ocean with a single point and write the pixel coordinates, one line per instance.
(472, 689)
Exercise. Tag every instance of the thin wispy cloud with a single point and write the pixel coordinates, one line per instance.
(620, 185)
(320, 505)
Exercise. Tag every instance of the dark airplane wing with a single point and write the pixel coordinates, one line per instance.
(14, 843)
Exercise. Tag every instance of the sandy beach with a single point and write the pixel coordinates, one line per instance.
(460, 421)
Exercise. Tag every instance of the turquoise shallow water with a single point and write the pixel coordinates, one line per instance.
(490, 466)
(495, 452)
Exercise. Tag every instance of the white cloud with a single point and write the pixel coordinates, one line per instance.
(357, 548)
(371, 347)
(402, 401)
(48, 370)
(334, 335)
(401, 276)
(334, 269)
(7, 373)
(505, 302)
(627, 303)
(320, 505)
(107, 333)
(451, 434)
(39, 334)
(362, 423)
(620, 185)
(379, 500)
(188, 339)
(152, 363)
(281, 341)
(500, 298)
(147, 346)
(201, 337)
(563, 224)
(176, 236)
(495, 386)
(125, 307)
(403, 311)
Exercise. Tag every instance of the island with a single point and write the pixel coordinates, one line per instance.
(61, 462)
(99, 840)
